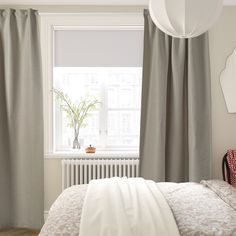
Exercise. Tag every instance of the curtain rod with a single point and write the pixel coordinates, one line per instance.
(89, 13)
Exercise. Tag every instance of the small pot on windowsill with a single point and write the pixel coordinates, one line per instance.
(90, 149)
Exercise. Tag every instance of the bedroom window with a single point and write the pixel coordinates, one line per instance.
(100, 63)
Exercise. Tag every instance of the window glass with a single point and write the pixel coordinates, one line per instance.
(115, 122)
(97, 64)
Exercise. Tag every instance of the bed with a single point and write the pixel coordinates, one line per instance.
(206, 208)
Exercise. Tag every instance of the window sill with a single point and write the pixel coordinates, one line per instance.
(98, 154)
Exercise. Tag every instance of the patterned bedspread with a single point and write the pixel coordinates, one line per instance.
(206, 209)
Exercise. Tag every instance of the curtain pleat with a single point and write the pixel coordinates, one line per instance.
(175, 140)
(21, 120)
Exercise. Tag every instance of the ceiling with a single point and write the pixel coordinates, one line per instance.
(86, 2)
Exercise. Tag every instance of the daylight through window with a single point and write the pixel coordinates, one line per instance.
(111, 77)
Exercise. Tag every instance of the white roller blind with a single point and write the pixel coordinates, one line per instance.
(98, 48)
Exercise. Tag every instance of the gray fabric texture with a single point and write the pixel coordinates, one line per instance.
(21, 120)
(175, 140)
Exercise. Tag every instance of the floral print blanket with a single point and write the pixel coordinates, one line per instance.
(205, 209)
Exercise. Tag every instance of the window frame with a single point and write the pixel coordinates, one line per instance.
(88, 20)
(103, 110)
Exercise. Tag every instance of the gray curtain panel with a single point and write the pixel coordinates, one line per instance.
(175, 142)
(21, 120)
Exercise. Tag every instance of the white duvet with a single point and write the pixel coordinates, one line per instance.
(126, 207)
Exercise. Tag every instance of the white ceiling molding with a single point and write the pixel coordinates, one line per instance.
(230, 2)
(87, 2)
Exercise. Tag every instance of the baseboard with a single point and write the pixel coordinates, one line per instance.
(45, 215)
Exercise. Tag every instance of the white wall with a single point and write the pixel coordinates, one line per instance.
(52, 181)
(222, 43)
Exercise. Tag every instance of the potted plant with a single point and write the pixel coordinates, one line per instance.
(76, 113)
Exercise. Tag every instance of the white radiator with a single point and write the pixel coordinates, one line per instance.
(81, 171)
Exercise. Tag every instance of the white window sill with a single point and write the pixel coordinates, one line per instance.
(98, 154)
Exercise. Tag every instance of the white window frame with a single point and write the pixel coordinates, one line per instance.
(102, 111)
(93, 20)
